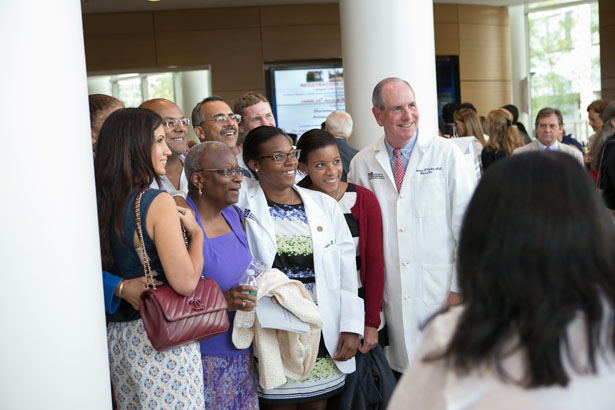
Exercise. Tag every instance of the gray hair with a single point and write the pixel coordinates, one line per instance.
(197, 116)
(192, 160)
(377, 99)
(339, 122)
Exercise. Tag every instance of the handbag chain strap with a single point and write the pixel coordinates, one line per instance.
(149, 279)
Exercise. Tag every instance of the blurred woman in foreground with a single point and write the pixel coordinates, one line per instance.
(536, 329)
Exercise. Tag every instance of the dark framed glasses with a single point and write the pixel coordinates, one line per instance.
(281, 157)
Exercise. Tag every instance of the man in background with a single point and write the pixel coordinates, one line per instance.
(213, 120)
(339, 123)
(549, 127)
(176, 133)
(255, 111)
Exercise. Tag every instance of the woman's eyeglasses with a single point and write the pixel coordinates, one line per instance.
(281, 158)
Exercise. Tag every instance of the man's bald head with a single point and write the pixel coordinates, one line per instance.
(339, 123)
(173, 121)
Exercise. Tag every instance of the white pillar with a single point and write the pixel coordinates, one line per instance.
(53, 350)
(387, 38)
(520, 64)
(194, 85)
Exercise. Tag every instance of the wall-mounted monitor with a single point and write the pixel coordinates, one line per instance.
(447, 78)
(302, 95)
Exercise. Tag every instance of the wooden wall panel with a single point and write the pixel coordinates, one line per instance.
(445, 13)
(118, 41)
(486, 95)
(236, 42)
(119, 51)
(299, 15)
(207, 19)
(231, 95)
(486, 15)
(234, 55)
(607, 12)
(446, 38)
(118, 23)
(607, 48)
(485, 52)
(302, 42)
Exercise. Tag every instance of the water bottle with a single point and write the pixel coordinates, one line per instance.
(246, 319)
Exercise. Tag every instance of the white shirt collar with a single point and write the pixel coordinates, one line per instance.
(552, 147)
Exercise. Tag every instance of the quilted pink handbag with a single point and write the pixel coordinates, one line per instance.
(171, 319)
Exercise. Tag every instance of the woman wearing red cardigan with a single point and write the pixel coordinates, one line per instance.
(320, 160)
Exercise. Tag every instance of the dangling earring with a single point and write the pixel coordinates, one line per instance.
(200, 191)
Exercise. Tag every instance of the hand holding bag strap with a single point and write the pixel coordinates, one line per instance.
(170, 319)
(149, 279)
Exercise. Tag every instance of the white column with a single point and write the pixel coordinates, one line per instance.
(53, 350)
(520, 64)
(387, 38)
(195, 85)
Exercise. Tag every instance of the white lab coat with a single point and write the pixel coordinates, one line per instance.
(340, 307)
(421, 229)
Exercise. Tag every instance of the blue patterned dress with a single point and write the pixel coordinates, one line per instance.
(295, 258)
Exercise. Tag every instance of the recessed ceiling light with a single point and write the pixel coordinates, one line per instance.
(153, 1)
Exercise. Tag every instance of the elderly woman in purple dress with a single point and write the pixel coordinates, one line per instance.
(214, 180)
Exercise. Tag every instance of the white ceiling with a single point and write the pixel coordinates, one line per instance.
(114, 6)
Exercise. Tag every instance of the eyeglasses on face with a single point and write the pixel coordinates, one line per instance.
(223, 118)
(173, 123)
(281, 158)
(227, 172)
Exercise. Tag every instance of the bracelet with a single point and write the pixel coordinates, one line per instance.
(119, 292)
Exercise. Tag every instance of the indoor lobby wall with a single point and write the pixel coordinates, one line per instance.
(607, 48)
(237, 42)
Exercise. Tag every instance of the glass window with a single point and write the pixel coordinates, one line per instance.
(565, 60)
(183, 85)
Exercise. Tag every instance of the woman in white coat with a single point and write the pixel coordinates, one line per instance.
(304, 234)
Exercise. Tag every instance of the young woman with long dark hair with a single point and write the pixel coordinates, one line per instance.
(131, 152)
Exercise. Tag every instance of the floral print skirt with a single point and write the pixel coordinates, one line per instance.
(324, 381)
(229, 382)
(144, 378)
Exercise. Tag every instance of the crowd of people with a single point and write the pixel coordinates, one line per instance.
(496, 295)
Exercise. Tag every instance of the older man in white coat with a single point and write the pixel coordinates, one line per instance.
(423, 188)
